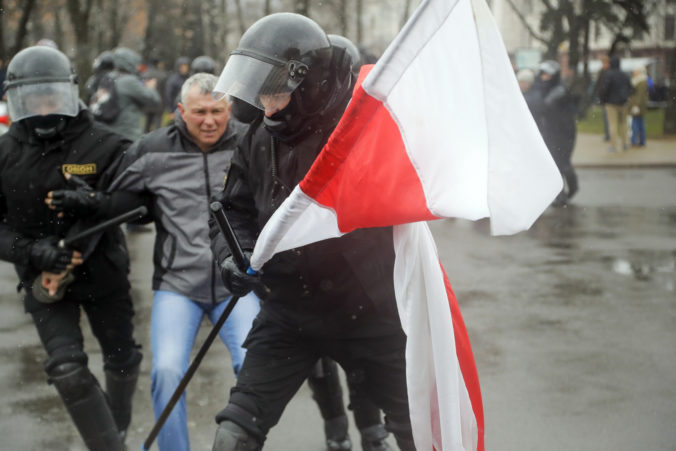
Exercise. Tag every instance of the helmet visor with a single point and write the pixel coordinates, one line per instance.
(248, 78)
(41, 99)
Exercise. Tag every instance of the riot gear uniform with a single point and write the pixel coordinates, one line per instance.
(333, 298)
(52, 134)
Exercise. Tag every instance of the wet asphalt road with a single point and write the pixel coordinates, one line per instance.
(573, 325)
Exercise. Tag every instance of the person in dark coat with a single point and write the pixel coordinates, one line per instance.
(553, 108)
(333, 298)
(614, 91)
(173, 87)
(52, 142)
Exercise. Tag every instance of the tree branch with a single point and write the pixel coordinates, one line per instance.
(525, 23)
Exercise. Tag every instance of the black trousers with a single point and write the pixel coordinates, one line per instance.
(279, 359)
(110, 317)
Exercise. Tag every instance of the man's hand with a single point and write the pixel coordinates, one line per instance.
(81, 201)
(75, 202)
(237, 281)
(51, 281)
(46, 255)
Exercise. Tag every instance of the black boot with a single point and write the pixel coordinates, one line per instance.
(120, 387)
(328, 394)
(373, 438)
(86, 403)
(337, 438)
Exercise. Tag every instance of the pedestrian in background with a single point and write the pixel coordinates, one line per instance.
(614, 92)
(605, 65)
(135, 97)
(638, 104)
(175, 81)
(554, 111)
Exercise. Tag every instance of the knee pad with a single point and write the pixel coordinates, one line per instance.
(72, 380)
(124, 365)
(65, 354)
(232, 437)
(242, 411)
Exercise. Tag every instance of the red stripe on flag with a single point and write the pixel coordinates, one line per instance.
(364, 173)
(463, 350)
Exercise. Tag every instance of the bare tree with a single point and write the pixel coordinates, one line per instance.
(240, 16)
(359, 7)
(2, 33)
(302, 7)
(22, 29)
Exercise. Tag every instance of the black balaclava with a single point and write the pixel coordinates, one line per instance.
(46, 127)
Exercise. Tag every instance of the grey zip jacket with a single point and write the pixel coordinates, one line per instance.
(167, 165)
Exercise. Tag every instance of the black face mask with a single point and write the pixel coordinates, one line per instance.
(288, 123)
(45, 127)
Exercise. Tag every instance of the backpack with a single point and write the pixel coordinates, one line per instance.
(104, 103)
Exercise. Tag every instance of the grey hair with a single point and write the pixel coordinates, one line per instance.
(205, 82)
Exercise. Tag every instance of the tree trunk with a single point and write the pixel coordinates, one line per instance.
(669, 126)
(266, 8)
(240, 17)
(22, 29)
(302, 7)
(359, 13)
(342, 13)
(223, 41)
(2, 35)
(79, 17)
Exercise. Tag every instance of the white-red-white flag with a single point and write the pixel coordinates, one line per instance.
(437, 128)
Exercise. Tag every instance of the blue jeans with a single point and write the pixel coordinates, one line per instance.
(174, 325)
(637, 131)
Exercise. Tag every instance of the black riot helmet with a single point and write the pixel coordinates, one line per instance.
(126, 60)
(553, 70)
(276, 55)
(351, 50)
(104, 62)
(42, 88)
(203, 64)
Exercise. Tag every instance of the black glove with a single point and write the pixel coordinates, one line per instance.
(46, 255)
(77, 202)
(238, 282)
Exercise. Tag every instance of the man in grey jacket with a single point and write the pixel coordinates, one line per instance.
(135, 97)
(179, 166)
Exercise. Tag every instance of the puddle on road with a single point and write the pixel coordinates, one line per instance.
(647, 266)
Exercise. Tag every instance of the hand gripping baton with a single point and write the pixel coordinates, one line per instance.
(41, 293)
(238, 255)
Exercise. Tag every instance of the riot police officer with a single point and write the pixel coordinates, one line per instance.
(53, 139)
(333, 298)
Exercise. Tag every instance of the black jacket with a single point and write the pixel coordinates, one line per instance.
(340, 287)
(615, 86)
(30, 168)
(554, 111)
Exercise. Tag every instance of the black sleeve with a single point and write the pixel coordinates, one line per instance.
(13, 247)
(118, 202)
(239, 205)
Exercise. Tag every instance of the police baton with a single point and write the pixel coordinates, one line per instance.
(238, 255)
